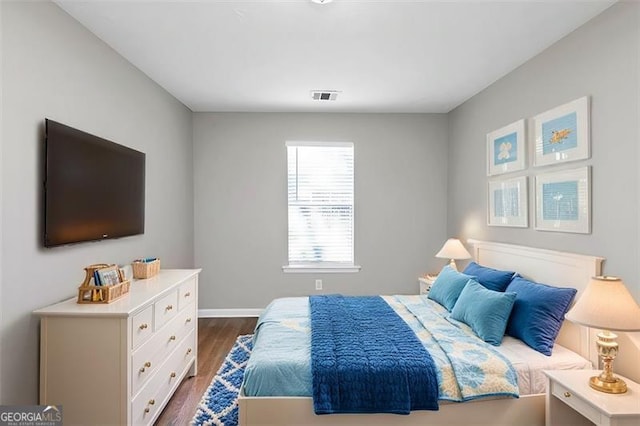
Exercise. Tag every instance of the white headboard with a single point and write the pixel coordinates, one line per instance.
(550, 267)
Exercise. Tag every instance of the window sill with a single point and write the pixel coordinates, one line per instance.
(321, 269)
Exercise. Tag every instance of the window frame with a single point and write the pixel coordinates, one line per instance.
(322, 267)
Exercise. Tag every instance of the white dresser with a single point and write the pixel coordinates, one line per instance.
(120, 363)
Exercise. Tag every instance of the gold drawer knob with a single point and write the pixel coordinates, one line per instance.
(173, 374)
(567, 394)
(146, 410)
(143, 326)
(189, 319)
(169, 307)
(172, 338)
(146, 365)
(187, 294)
(188, 351)
(152, 401)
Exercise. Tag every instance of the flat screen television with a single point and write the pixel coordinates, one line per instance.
(94, 189)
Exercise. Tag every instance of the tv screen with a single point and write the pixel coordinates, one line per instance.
(93, 189)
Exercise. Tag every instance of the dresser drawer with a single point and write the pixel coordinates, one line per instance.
(148, 403)
(165, 309)
(186, 352)
(142, 326)
(575, 402)
(186, 293)
(144, 407)
(186, 321)
(144, 363)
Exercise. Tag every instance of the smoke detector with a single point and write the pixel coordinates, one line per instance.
(324, 95)
(321, 1)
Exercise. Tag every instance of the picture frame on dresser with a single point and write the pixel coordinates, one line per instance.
(562, 134)
(506, 149)
(508, 202)
(563, 201)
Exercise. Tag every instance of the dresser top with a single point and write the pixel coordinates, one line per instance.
(140, 293)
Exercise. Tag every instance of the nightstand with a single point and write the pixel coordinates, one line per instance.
(570, 401)
(425, 282)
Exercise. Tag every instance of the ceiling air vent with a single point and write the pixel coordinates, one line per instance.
(324, 95)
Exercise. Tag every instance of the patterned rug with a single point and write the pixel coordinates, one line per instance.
(219, 404)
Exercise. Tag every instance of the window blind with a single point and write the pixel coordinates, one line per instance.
(320, 200)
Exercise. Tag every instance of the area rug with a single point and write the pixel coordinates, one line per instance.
(219, 404)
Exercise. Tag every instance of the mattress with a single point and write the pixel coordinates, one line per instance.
(530, 364)
(280, 361)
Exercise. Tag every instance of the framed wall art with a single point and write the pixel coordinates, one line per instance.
(508, 203)
(562, 134)
(563, 201)
(506, 149)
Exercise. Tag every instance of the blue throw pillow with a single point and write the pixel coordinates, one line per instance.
(493, 279)
(447, 287)
(485, 311)
(538, 313)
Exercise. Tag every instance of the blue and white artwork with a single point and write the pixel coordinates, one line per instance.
(505, 149)
(560, 201)
(506, 202)
(560, 134)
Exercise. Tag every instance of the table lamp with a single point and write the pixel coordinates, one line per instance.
(607, 304)
(452, 250)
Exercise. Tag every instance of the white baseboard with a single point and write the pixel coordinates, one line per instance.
(229, 313)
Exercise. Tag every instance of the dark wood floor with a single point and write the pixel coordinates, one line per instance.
(215, 339)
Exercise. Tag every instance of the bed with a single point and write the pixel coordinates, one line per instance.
(551, 267)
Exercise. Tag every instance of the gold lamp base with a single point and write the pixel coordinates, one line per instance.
(606, 381)
(617, 385)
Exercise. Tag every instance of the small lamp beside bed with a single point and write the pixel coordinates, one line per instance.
(453, 250)
(606, 304)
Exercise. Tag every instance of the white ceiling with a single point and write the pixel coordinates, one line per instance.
(384, 56)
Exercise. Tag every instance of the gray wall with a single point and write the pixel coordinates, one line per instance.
(241, 205)
(599, 59)
(53, 67)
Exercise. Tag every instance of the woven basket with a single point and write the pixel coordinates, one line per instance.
(101, 293)
(142, 270)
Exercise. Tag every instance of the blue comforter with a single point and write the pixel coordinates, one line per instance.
(467, 367)
(366, 359)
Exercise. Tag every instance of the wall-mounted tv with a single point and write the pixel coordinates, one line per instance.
(94, 189)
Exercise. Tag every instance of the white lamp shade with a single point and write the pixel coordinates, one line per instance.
(606, 304)
(453, 249)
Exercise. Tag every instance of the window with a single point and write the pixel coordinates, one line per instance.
(320, 201)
